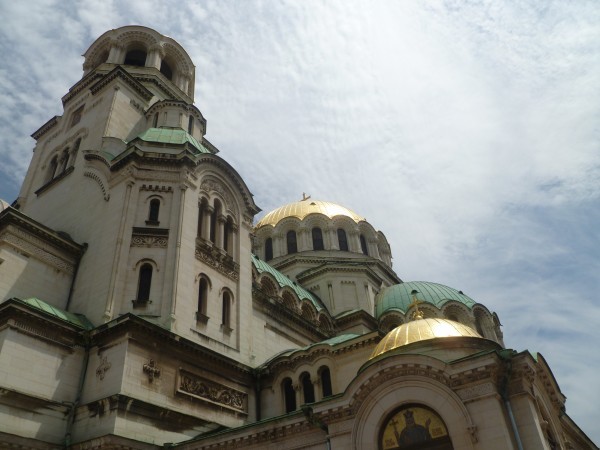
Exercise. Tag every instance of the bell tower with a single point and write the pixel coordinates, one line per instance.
(127, 171)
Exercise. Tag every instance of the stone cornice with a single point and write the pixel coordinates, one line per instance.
(11, 216)
(33, 322)
(45, 128)
(128, 322)
(120, 73)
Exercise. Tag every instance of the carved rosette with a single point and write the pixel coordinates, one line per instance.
(195, 386)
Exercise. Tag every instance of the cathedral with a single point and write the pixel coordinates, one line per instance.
(144, 306)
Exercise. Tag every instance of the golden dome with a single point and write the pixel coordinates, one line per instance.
(422, 330)
(303, 208)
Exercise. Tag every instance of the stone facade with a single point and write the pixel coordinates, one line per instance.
(142, 309)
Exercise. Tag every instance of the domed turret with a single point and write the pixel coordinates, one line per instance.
(422, 330)
(318, 244)
(395, 304)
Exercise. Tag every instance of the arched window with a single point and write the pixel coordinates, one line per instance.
(268, 249)
(325, 375)
(74, 151)
(292, 245)
(166, 70)
(52, 169)
(202, 298)
(226, 313)
(317, 238)
(289, 395)
(342, 239)
(363, 245)
(135, 58)
(64, 161)
(153, 212)
(307, 388)
(144, 282)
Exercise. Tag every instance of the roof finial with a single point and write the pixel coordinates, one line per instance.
(417, 314)
(304, 197)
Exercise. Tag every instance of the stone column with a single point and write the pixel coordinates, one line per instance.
(208, 211)
(354, 242)
(219, 235)
(154, 57)
(116, 54)
(333, 240)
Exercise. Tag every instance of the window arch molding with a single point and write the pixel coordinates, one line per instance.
(378, 400)
(150, 261)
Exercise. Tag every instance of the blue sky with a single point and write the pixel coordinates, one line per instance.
(468, 132)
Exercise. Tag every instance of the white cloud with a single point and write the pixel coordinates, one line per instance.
(466, 132)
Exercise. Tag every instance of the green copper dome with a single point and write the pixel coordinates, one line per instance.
(400, 296)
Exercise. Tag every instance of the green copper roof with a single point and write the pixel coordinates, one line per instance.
(400, 296)
(79, 320)
(166, 135)
(302, 293)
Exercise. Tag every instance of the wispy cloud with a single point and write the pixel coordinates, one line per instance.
(467, 132)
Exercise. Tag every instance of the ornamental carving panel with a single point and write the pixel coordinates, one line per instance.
(221, 262)
(210, 184)
(149, 241)
(195, 386)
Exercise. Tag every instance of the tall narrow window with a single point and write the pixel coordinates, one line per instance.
(269, 249)
(226, 321)
(144, 282)
(292, 245)
(202, 298)
(155, 120)
(74, 151)
(166, 70)
(213, 226)
(153, 212)
(191, 124)
(342, 239)
(326, 381)
(363, 245)
(307, 388)
(228, 236)
(64, 161)
(289, 395)
(317, 238)
(52, 169)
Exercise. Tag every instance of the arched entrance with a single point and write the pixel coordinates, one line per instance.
(414, 427)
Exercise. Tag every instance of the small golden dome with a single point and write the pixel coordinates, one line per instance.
(422, 330)
(305, 207)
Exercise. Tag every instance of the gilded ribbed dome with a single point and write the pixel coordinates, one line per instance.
(422, 330)
(303, 208)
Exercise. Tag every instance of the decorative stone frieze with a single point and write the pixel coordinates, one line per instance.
(150, 237)
(212, 392)
(31, 245)
(217, 259)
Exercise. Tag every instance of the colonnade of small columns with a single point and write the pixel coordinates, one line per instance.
(225, 233)
(154, 58)
(330, 241)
